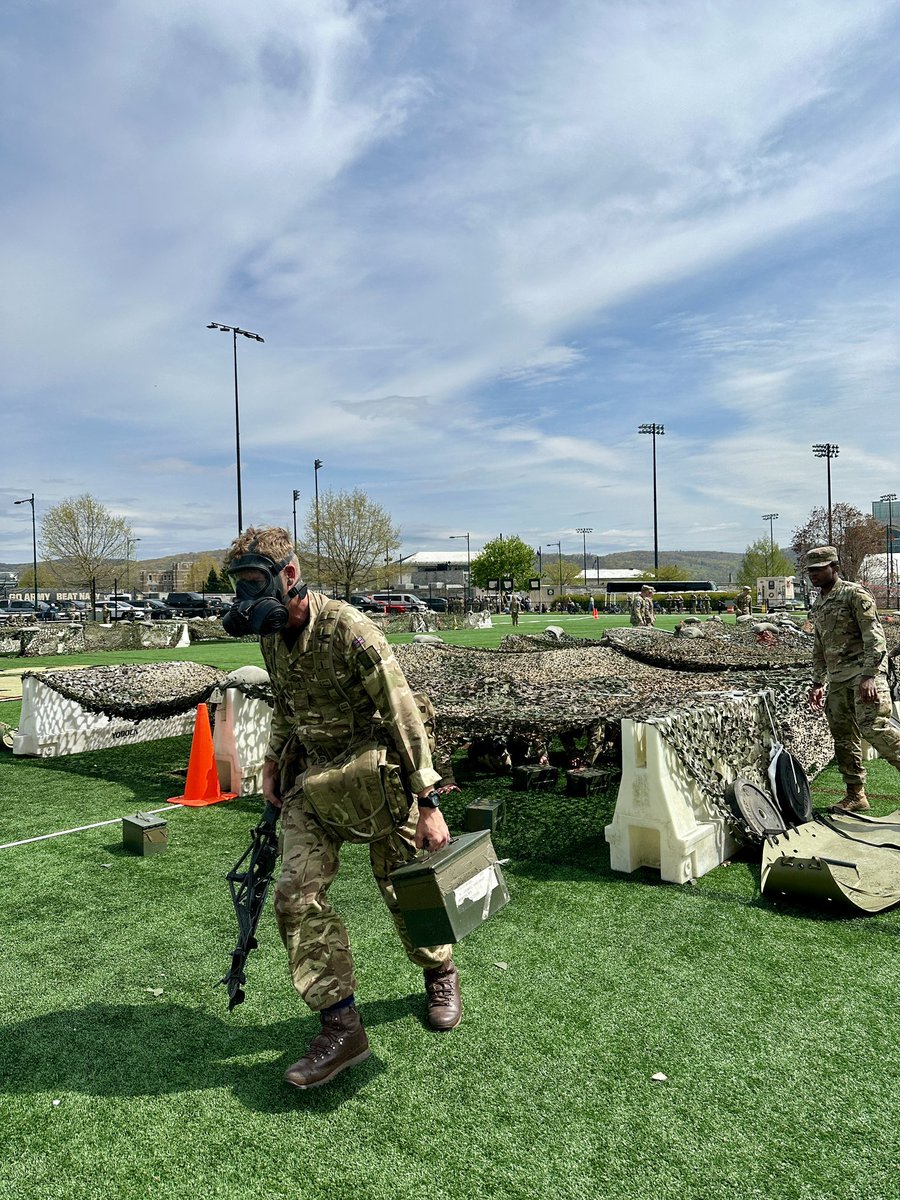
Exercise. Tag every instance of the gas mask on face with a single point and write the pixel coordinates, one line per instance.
(260, 605)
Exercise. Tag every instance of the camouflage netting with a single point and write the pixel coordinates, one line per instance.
(87, 638)
(718, 647)
(137, 691)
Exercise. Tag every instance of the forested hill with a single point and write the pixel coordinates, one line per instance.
(716, 565)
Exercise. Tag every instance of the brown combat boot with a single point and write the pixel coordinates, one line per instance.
(341, 1043)
(855, 801)
(444, 1000)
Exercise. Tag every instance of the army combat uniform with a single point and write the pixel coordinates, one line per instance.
(743, 603)
(642, 610)
(341, 698)
(850, 646)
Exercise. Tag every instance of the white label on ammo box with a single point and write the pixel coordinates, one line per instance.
(477, 887)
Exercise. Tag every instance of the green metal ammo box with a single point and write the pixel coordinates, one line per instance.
(144, 834)
(484, 814)
(533, 778)
(451, 892)
(587, 781)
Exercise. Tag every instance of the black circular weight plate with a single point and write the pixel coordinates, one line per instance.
(755, 807)
(792, 789)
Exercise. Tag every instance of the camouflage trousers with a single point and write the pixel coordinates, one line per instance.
(315, 937)
(851, 721)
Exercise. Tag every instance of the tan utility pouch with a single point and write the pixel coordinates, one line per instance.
(360, 795)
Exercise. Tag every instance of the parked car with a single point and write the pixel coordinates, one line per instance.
(192, 604)
(399, 601)
(150, 610)
(436, 603)
(114, 610)
(366, 604)
(71, 610)
(25, 608)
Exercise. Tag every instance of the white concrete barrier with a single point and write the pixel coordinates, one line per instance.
(51, 725)
(662, 819)
(241, 733)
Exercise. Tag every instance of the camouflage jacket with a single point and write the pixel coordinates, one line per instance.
(743, 604)
(849, 639)
(374, 699)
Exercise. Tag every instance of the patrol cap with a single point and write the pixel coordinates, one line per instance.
(648, 588)
(746, 587)
(821, 556)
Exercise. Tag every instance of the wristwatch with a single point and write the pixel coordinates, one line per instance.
(432, 800)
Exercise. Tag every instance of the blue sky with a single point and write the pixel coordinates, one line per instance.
(483, 240)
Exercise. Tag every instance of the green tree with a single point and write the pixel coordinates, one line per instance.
(353, 537)
(855, 535)
(668, 572)
(225, 584)
(45, 578)
(504, 558)
(212, 581)
(81, 540)
(761, 560)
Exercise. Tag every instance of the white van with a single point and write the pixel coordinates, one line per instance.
(413, 603)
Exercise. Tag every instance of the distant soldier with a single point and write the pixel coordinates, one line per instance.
(642, 606)
(743, 602)
(851, 656)
(514, 607)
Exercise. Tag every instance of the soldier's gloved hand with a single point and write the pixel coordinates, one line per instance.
(868, 692)
(431, 831)
(270, 783)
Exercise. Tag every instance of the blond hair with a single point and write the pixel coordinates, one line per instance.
(270, 540)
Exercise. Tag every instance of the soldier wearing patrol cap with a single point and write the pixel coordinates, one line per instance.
(642, 606)
(348, 759)
(850, 654)
(743, 602)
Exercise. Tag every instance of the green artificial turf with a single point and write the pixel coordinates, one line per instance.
(775, 1025)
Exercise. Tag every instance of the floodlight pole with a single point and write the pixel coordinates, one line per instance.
(296, 498)
(30, 500)
(770, 517)
(889, 498)
(653, 429)
(317, 464)
(234, 330)
(828, 451)
(558, 546)
(584, 532)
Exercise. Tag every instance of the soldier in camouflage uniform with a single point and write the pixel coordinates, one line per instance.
(642, 606)
(850, 654)
(743, 602)
(348, 759)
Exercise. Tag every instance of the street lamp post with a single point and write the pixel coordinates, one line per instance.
(296, 498)
(234, 330)
(828, 451)
(130, 543)
(30, 500)
(888, 498)
(452, 537)
(558, 546)
(653, 429)
(316, 467)
(584, 532)
(770, 517)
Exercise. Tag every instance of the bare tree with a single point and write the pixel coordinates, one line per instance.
(355, 534)
(855, 536)
(81, 540)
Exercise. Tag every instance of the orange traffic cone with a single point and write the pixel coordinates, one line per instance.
(595, 615)
(202, 784)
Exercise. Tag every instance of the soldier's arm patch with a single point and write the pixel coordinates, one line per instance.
(369, 658)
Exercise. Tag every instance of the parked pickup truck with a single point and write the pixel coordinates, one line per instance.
(192, 604)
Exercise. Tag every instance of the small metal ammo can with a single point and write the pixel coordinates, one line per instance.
(449, 893)
(586, 781)
(531, 778)
(484, 814)
(144, 834)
